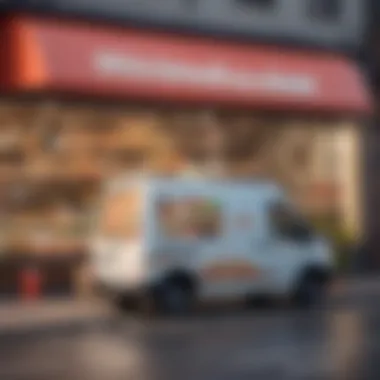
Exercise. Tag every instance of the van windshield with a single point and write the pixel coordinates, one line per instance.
(120, 215)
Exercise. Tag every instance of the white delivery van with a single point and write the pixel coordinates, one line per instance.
(181, 240)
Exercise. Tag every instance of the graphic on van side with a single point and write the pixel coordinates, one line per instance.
(244, 222)
(190, 218)
(230, 270)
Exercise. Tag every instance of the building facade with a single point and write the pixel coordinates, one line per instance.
(334, 24)
(83, 100)
(370, 59)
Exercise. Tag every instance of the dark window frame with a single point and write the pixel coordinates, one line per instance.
(324, 10)
(258, 5)
(297, 230)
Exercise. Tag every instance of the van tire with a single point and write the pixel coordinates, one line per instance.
(174, 297)
(123, 303)
(310, 292)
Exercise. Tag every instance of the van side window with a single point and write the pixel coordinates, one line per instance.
(287, 224)
(190, 218)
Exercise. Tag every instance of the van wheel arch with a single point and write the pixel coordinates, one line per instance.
(316, 272)
(311, 285)
(182, 278)
(178, 285)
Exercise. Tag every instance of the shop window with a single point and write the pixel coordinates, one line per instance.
(121, 215)
(50, 140)
(127, 157)
(301, 156)
(326, 161)
(324, 10)
(10, 139)
(257, 4)
(12, 157)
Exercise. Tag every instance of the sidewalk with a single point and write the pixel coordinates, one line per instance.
(22, 318)
(354, 286)
(60, 316)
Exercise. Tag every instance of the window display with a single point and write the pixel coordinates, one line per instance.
(95, 143)
(121, 215)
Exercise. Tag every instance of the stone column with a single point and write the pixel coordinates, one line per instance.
(350, 177)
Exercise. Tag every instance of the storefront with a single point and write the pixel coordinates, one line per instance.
(82, 103)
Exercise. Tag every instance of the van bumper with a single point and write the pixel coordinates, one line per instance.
(111, 291)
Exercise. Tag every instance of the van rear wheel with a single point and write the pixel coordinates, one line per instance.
(124, 303)
(174, 298)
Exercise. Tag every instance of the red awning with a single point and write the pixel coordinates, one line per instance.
(54, 56)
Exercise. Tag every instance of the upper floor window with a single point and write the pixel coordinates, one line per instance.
(325, 10)
(191, 4)
(257, 4)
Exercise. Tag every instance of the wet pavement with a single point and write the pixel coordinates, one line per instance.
(342, 342)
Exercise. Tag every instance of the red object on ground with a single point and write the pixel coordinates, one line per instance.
(30, 284)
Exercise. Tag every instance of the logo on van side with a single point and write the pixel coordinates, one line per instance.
(230, 270)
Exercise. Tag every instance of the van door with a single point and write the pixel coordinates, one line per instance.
(228, 269)
(289, 244)
(193, 228)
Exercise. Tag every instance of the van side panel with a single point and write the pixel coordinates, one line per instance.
(224, 262)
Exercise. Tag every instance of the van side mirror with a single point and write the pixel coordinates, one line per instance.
(300, 233)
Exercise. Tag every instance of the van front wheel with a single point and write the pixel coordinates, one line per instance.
(310, 292)
(174, 298)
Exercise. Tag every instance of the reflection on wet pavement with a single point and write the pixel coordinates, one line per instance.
(335, 344)
(346, 346)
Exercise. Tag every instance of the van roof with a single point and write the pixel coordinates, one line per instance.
(229, 181)
(254, 181)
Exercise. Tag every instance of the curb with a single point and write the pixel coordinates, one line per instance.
(346, 292)
(57, 328)
(356, 284)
